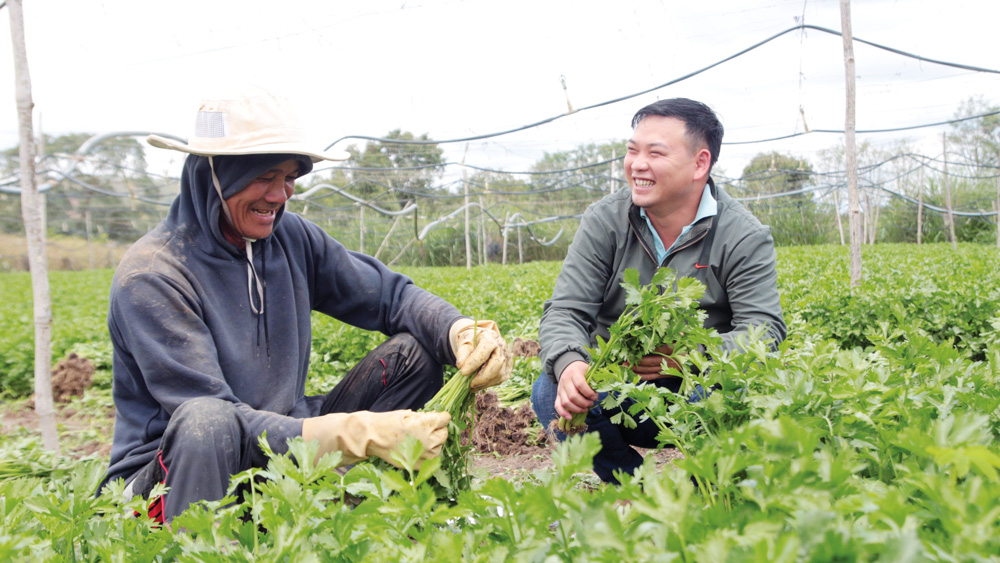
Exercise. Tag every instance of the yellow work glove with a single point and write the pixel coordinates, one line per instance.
(480, 349)
(358, 435)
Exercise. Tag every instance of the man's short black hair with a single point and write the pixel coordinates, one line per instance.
(700, 122)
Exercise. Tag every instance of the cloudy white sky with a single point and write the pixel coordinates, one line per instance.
(458, 68)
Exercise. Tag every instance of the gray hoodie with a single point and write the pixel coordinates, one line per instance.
(182, 325)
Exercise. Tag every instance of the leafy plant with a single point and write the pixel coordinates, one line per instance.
(655, 316)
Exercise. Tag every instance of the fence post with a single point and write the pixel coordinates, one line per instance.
(947, 194)
(361, 228)
(520, 249)
(920, 208)
(506, 230)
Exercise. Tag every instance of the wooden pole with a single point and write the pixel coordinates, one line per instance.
(33, 213)
(878, 211)
(867, 220)
(482, 233)
(613, 186)
(920, 208)
(361, 228)
(506, 231)
(836, 211)
(468, 241)
(853, 203)
(947, 195)
(402, 252)
(90, 242)
(520, 248)
(385, 240)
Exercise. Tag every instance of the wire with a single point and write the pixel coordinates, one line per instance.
(664, 85)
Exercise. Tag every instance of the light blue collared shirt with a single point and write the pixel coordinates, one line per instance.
(707, 208)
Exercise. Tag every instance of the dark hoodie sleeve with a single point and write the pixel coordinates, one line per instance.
(165, 355)
(361, 291)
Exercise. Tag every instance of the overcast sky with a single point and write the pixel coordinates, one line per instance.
(458, 68)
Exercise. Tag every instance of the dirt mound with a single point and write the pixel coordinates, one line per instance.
(525, 348)
(506, 431)
(70, 377)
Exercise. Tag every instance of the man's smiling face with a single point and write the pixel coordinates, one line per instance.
(255, 207)
(661, 166)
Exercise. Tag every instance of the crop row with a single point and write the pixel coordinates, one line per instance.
(953, 296)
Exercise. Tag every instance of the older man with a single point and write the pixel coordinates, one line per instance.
(210, 317)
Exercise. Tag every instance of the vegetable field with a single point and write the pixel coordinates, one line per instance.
(873, 433)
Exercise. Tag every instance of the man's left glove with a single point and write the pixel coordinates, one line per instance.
(478, 346)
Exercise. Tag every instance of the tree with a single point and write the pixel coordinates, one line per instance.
(794, 216)
(586, 172)
(977, 144)
(104, 192)
(396, 171)
(113, 156)
(977, 141)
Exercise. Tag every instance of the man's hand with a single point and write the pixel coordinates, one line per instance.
(573, 394)
(361, 434)
(651, 367)
(478, 347)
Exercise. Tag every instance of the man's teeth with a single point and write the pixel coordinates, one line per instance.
(266, 212)
(644, 183)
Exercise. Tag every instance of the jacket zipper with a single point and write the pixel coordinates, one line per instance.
(685, 245)
(649, 252)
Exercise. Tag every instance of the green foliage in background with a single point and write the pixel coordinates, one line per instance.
(951, 297)
(79, 317)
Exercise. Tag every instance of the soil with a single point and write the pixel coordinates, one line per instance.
(508, 442)
(525, 348)
(511, 444)
(70, 377)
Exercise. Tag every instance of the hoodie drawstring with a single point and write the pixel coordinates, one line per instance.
(267, 337)
(253, 277)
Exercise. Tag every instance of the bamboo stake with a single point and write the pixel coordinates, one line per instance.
(947, 195)
(385, 240)
(506, 231)
(361, 228)
(465, 184)
(920, 208)
(482, 234)
(840, 221)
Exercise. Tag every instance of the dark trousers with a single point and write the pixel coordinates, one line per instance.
(617, 441)
(207, 440)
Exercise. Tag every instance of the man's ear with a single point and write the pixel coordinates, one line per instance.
(703, 163)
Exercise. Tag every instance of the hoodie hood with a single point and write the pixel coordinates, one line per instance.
(198, 209)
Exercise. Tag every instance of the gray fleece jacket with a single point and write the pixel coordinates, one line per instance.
(739, 275)
(182, 326)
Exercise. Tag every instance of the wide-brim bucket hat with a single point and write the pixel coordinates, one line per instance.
(249, 121)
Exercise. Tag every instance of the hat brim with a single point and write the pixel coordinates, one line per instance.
(266, 148)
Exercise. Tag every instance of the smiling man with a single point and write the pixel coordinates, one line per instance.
(210, 317)
(673, 215)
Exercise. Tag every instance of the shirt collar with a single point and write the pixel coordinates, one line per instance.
(707, 207)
